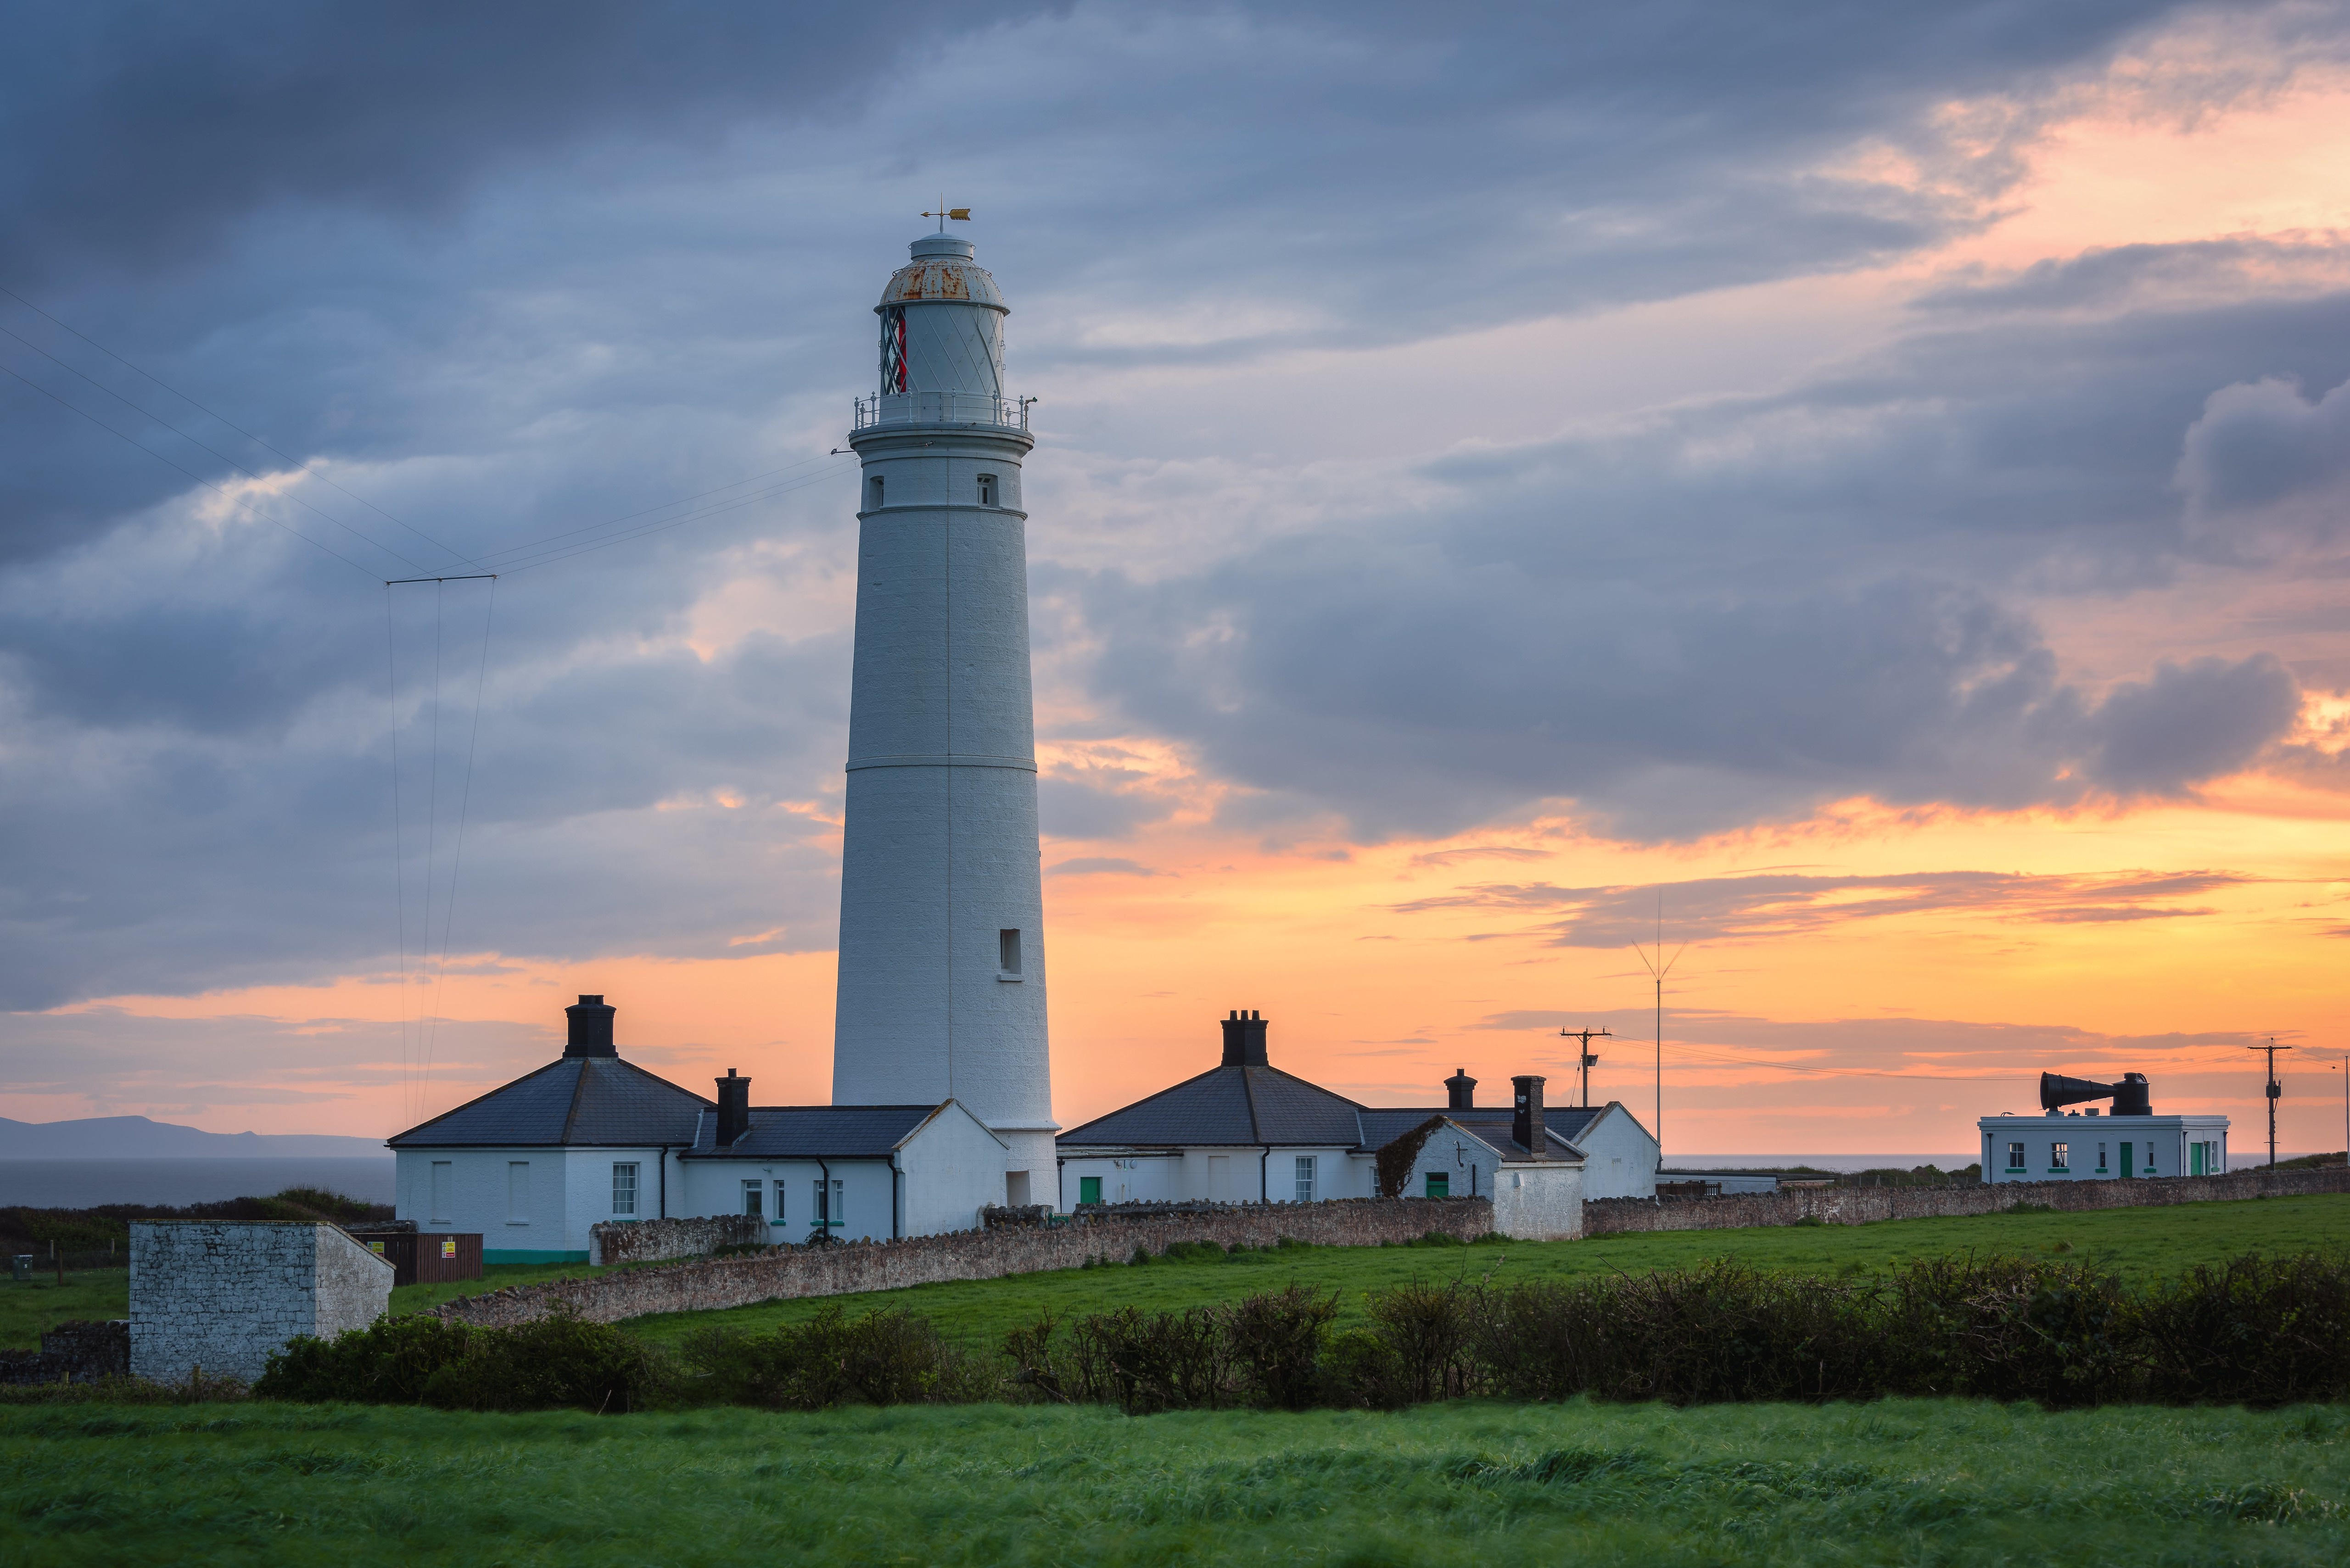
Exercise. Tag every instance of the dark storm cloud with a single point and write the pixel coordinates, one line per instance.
(506, 272)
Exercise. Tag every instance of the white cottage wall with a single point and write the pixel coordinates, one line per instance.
(949, 1168)
(1619, 1156)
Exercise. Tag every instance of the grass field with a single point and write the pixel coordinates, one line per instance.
(2140, 1243)
(1898, 1482)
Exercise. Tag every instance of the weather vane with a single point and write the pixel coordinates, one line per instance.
(960, 214)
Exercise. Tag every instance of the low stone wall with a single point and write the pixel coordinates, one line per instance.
(1866, 1205)
(1004, 1249)
(71, 1352)
(226, 1294)
(657, 1241)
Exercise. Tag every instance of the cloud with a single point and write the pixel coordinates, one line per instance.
(2265, 468)
(506, 281)
(1102, 865)
(1787, 904)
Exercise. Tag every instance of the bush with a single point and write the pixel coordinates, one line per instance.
(2254, 1331)
(387, 1364)
(880, 1359)
(1277, 1340)
(558, 1362)
(1143, 1362)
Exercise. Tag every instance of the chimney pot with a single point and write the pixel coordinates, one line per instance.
(589, 1032)
(1526, 1123)
(734, 1107)
(1244, 1041)
(1461, 1090)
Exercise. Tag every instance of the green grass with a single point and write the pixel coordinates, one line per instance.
(1491, 1486)
(2138, 1243)
(26, 1309)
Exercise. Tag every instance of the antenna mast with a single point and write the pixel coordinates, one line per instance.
(2272, 1048)
(1584, 1058)
(1659, 968)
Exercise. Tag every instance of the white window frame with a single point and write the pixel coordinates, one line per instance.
(2015, 1156)
(830, 1210)
(2060, 1157)
(755, 1196)
(1307, 1169)
(625, 1187)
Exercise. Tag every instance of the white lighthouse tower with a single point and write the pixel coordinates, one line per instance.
(941, 901)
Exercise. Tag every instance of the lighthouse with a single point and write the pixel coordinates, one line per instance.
(942, 984)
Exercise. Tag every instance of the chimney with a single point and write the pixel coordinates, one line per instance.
(591, 1029)
(1526, 1123)
(734, 1107)
(1244, 1041)
(1461, 1090)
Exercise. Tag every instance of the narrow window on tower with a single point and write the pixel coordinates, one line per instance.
(873, 493)
(1007, 951)
(987, 489)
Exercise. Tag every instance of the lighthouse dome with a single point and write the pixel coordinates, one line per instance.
(942, 270)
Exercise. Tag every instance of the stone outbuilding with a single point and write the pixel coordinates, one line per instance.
(225, 1295)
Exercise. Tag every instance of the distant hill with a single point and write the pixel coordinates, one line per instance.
(139, 1137)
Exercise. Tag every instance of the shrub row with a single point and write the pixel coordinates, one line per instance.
(2255, 1331)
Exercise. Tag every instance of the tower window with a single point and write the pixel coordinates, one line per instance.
(987, 489)
(1007, 951)
(873, 493)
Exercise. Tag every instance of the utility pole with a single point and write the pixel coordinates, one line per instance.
(2272, 1048)
(1585, 1061)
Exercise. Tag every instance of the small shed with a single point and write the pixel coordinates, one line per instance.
(226, 1294)
(417, 1259)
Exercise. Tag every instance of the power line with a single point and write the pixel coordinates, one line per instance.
(500, 559)
(457, 859)
(198, 478)
(205, 446)
(210, 413)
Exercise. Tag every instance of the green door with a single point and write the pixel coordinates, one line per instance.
(1439, 1184)
(2129, 1169)
(2195, 1159)
(1089, 1190)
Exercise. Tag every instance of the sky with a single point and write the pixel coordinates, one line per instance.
(1850, 503)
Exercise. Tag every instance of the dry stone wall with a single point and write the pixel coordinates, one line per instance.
(1866, 1205)
(1012, 1248)
(657, 1241)
(71, 1352)
(224, 1295)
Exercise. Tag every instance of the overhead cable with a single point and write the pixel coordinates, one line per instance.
(210, 413)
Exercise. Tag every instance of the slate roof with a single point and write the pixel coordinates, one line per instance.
(1230, 1106)
(573, 1100)
(816, 1132)
(1382, 1125)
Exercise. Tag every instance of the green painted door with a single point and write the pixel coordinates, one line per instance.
(2129, 1167)
(1439, 1184)
(1089, 1190)
(2195, 1159)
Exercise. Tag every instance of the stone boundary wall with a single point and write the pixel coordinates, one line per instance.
(71, 1352)
(657, 1241)
(711, 1283)
(1866, 1205)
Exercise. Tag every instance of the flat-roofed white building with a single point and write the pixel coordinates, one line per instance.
(2085, 1145)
